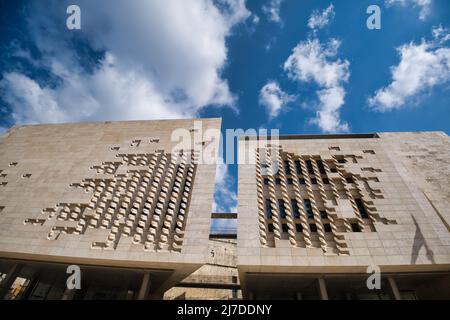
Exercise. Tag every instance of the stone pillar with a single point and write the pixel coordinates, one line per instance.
(394, 288)
(323, 289)
(9, 280)
(145, 286)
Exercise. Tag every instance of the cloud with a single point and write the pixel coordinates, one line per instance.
(319, 20)
(272, 10)
(159, 59)
(273, 98)
(312, 61)
(422, 66)
(225, 198)
(423, 4)
(224, 225)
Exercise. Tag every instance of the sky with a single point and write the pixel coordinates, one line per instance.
(297, 66)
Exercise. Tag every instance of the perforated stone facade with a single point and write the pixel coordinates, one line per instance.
(113, 194)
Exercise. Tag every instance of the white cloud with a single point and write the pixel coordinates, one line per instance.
(163, 59)
(314, 62)
(319, 20)
(224, 225)
(421, 67)
(225, 198)
(272, 10)
(273, 98)
(423, 4)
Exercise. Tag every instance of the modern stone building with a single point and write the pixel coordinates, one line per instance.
(122, 200)
(130, 205)
(314, 211)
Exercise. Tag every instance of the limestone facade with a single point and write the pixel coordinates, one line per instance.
(336, 204)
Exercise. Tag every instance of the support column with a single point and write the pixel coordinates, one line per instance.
(323, 289)
(145, 286)
(9, 280)
(68, 294)
(394, 288)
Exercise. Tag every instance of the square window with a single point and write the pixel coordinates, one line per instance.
(299, 227)
(314, 181)
(271, 227)
(327, 227)
(326, 181)
(342, 160)
(349, 180)
(266, 181)
(323, 214)
(284, 227)
(302, 181)
(278, 181)
(313, 227)
(290, 181)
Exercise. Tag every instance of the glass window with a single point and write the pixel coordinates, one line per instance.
(308, 208)
(361, 208)
(298, 167)
(309, 166)
(355, 227)
(268, 209)
(287, 169)
(321, 167)
(295, 208)
(282, 208)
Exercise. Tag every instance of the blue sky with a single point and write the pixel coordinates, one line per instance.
(298, 66)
